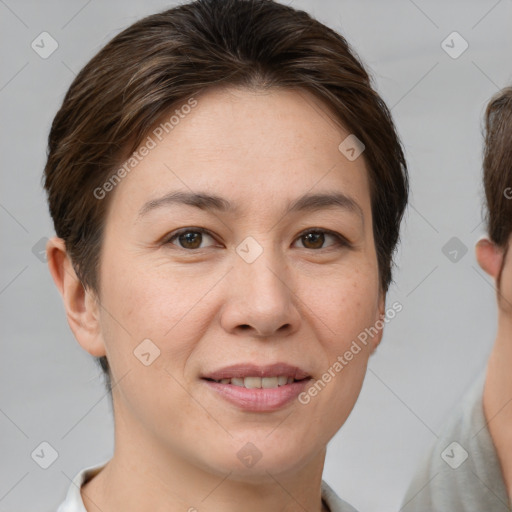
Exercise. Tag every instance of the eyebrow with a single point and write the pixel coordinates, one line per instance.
(307, 202)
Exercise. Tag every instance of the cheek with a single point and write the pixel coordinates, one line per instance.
(149, 339)
(156, 303)
(347, 304)
(506, 283)
(347, 311)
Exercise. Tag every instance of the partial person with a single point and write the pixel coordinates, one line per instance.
(469, 469)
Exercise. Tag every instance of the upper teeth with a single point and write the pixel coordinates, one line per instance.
(258, 382)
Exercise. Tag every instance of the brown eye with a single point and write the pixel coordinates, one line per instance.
(316, 238)
(189, 239)
(313, 240)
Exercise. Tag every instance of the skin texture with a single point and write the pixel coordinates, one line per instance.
(497, 398)
(299, 302)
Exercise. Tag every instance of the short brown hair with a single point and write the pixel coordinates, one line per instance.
(497, 167)
(168, 57)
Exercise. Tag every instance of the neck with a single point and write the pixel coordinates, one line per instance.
(497, 399)
(141, 477)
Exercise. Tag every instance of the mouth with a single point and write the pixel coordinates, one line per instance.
(258, 388)
(254, 382)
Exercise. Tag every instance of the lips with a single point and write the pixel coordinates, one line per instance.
(252, 376)
(256, 388)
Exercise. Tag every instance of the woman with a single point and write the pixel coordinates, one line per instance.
(227, 190)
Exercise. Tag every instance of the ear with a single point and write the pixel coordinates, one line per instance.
(381, 313)
(489, 257)
(82, 307)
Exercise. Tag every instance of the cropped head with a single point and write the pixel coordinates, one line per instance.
(493, 253)
(227, 189)
(498, 167)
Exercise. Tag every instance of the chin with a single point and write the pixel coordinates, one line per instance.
(254, 457)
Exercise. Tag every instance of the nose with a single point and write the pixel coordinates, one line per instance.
(261, 302)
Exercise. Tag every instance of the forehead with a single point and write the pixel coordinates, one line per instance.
(249, 145)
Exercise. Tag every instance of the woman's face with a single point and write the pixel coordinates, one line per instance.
(260, 279)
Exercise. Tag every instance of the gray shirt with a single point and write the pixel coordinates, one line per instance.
(462, 472)
(74, 502)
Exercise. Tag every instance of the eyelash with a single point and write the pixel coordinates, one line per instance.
(341, 241)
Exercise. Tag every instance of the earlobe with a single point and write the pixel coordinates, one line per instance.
(489, 257)
(82, 309)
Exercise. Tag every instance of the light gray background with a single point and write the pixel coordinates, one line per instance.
(51, 390)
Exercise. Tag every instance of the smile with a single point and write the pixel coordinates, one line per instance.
(258, 388)
(258, 382)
